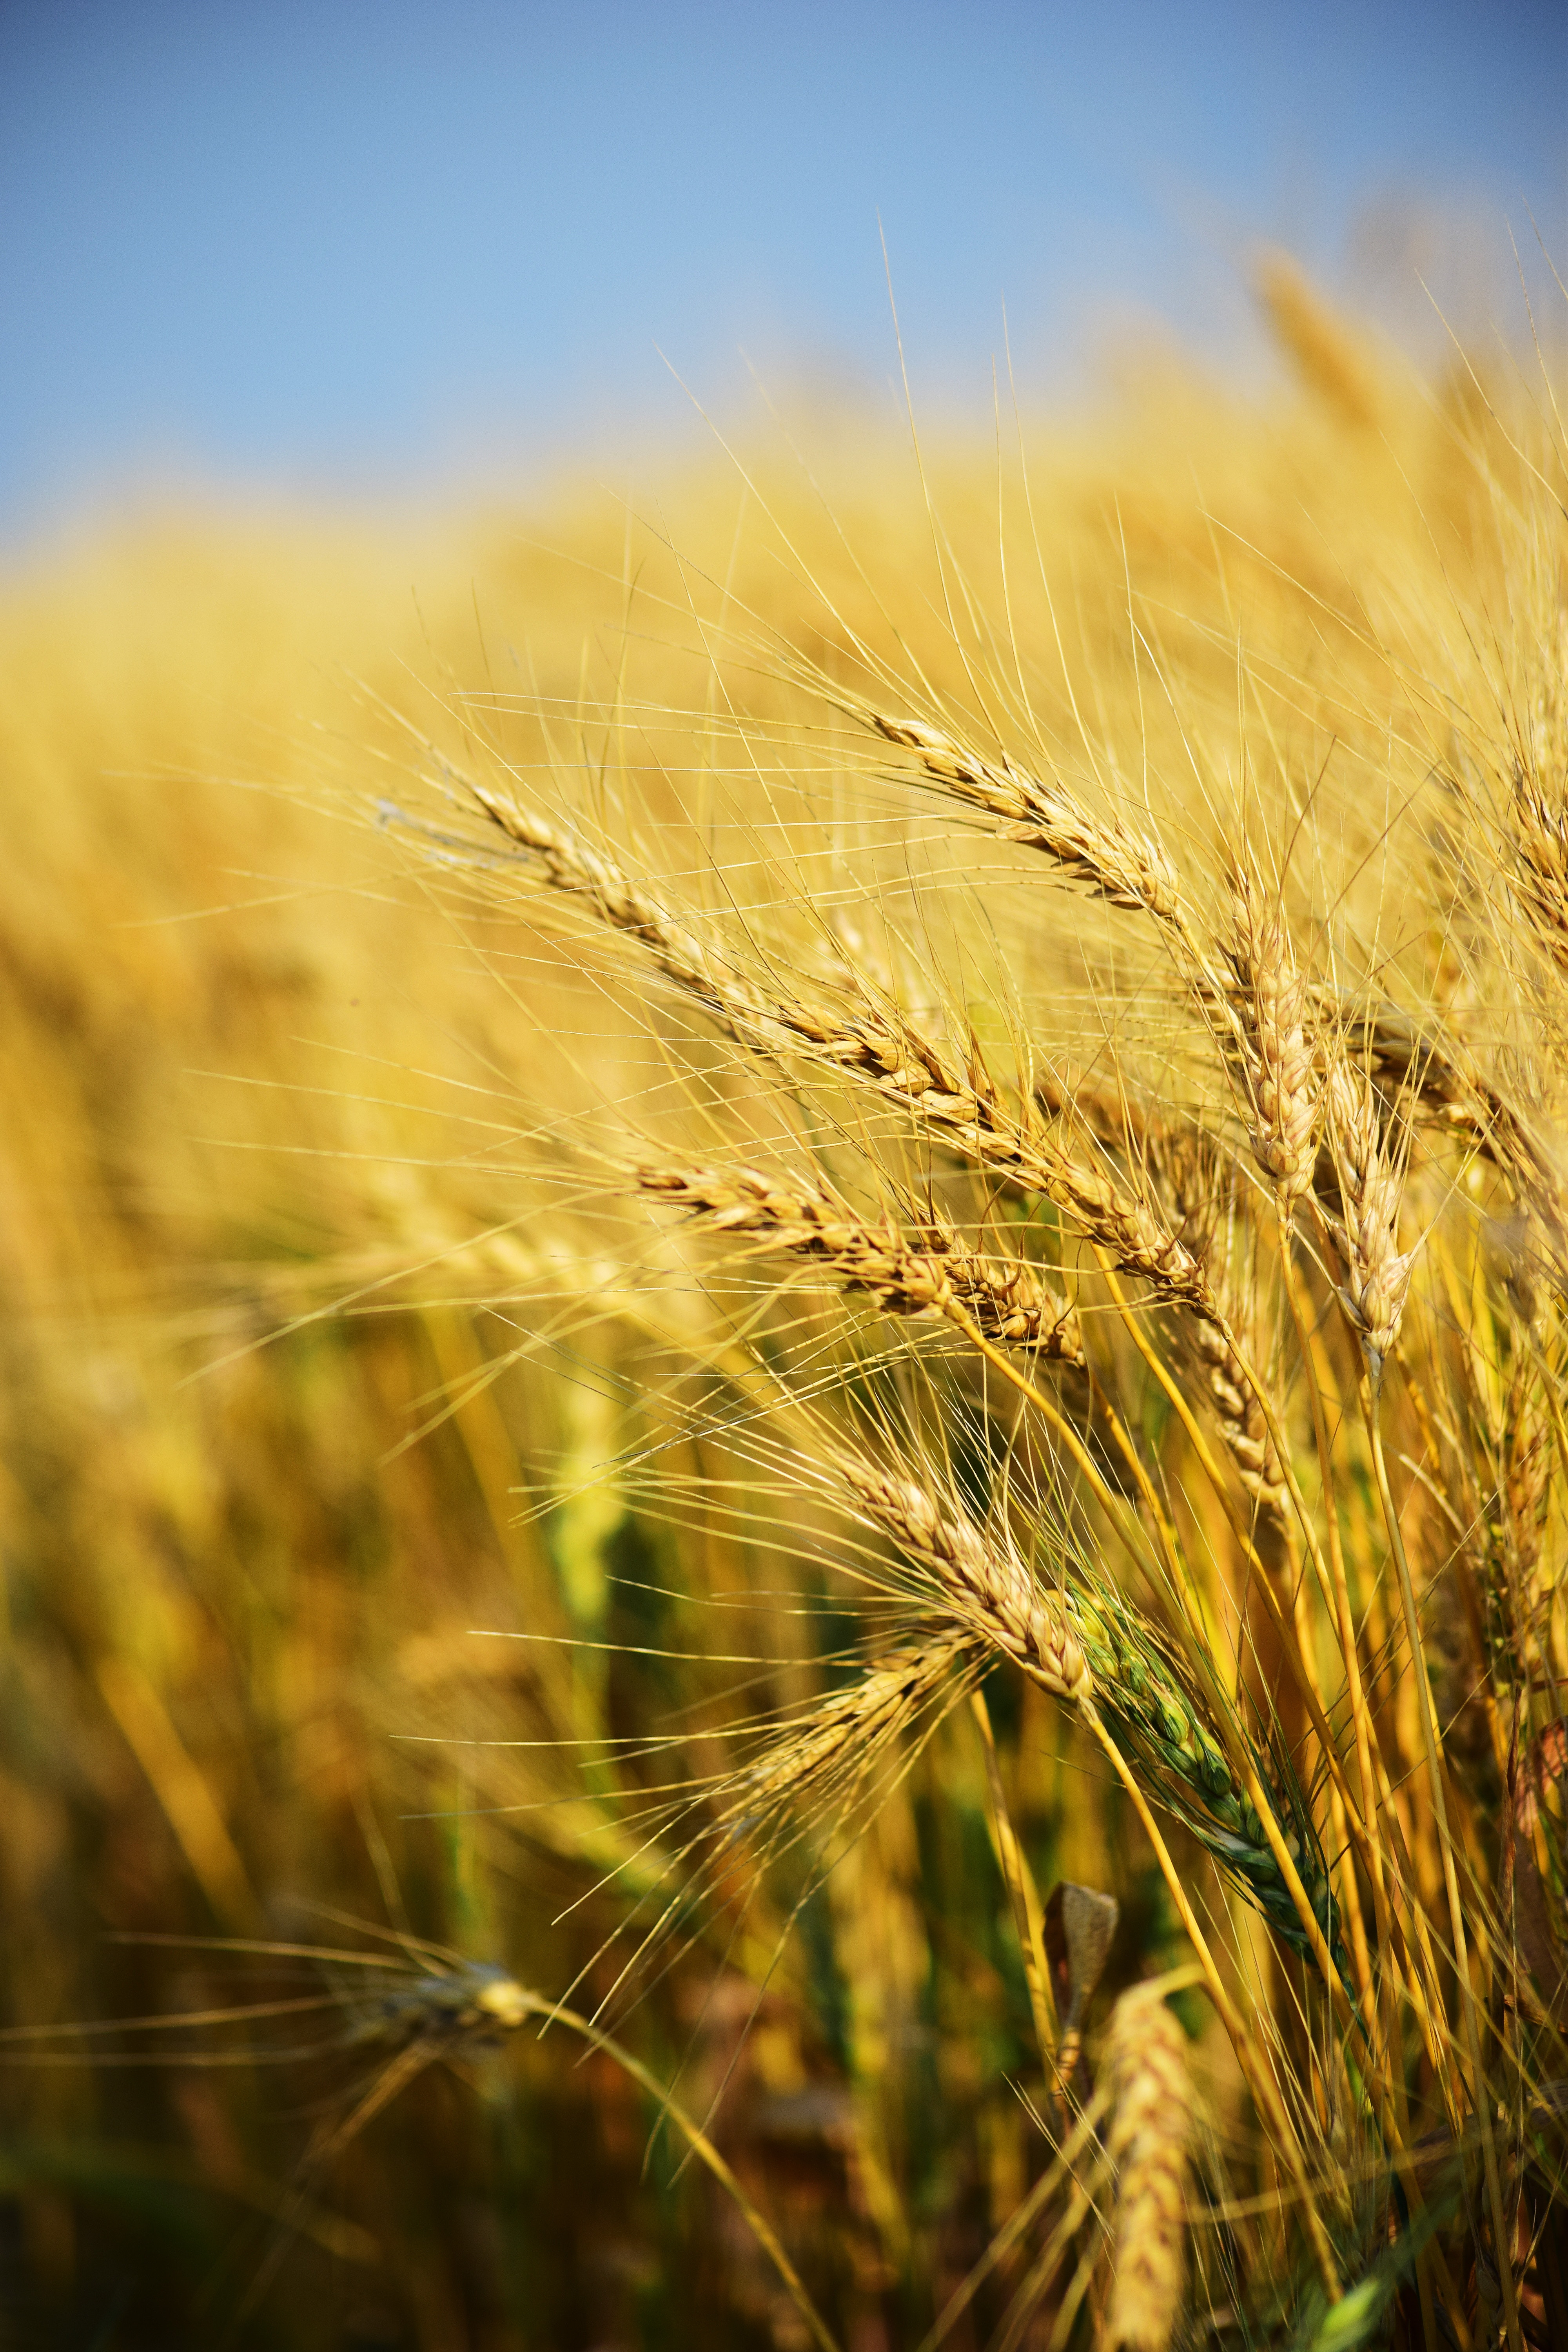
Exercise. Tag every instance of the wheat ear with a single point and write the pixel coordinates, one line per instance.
(1108, 857)
(1151, 2131)
(924, 1269)
(955, 1101)
(1144, 1697)
(985, 1589)
(846, 1733)
(1411, 1061)
(1372, 1183)
(1277, 1055)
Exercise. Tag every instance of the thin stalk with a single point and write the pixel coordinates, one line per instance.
(1026, 1895)
(1212, 1470)
(1399, 2134)
(1422, 1985)
(1369, 1843)
(1350, 1904)
(1501, 2239)
(1465, 1579)
(1146, 1483)
(1019, 2221)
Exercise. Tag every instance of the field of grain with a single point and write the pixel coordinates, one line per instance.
(761, 1261)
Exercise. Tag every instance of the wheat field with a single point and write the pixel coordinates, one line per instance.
(784, 1396)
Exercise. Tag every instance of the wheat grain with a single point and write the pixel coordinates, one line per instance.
(1151, 2129)
(986, 1589)
(920, 1269)
(1108, 858)
(1372, 1184)
(1276, 1054)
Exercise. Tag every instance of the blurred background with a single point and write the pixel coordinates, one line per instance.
(382, 254)
(346, 349)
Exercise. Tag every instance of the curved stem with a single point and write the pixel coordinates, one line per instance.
(1360, 1715)
(1026, 1896)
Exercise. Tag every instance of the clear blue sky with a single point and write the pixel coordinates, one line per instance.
(342, 249)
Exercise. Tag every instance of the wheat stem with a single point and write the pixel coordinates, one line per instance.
(1019, 2221)
(1349, 1650)
(1021, 1887)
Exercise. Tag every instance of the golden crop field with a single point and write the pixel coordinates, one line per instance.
(782, 1485)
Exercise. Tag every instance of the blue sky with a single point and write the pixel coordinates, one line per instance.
(355, 251)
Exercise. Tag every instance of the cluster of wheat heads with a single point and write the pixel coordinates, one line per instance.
(1110, 1106)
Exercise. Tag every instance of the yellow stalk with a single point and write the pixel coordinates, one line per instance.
(1361, 1715)
(1025, 1894)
